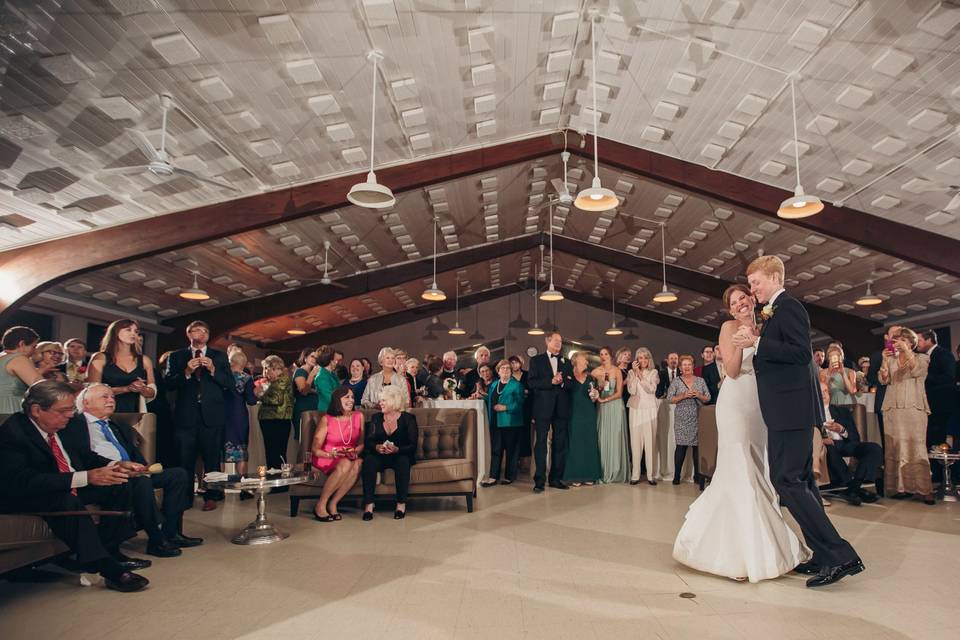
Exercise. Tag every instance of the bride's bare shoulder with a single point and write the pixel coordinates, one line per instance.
(728, 326)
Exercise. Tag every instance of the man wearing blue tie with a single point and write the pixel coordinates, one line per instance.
(92, 428)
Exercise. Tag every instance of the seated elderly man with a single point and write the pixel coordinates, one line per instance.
(39, 473)
(843, 441)
(92, 429)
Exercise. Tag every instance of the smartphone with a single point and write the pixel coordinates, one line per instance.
(834, 360)
(888, 345)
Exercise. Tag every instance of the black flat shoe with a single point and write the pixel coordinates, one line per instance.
(538, 488)
(506, 482)
(868, 497)
(326, 518)
(489, 483)
(336, 517)
(675, 481)
(185, 541)
(367, 516)
(903, 495)
(807, 568)
(557, 484)
(652, 483)
(829, 575)
(126, 582)
(632, 482)
(853, 497)
(399, 515)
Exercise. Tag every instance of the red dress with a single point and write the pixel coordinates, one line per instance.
(341, 432)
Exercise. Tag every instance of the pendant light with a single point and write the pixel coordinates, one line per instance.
(800, 205)
(664, 295)
(596, 198)
(194, 292)
(551, 294)
(456, 329)
(535, 330)
(869, 298)
(371, 194)
(614, 330)
(434, 294)
(436, 324)
(297, 331)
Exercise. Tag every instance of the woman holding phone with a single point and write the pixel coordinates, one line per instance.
(841, 381)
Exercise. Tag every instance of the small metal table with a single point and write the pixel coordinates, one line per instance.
(261, 531)
(948, 491)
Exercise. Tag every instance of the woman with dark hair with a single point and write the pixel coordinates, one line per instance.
(17, 371)
(304, 393)
(367, 367)
(526, 441)
(611, 420)
(325, 381)
(356, 378)
(433, 386)
(337, 445)
(121, 365)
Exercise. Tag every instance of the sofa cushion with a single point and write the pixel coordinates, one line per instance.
(439, 441)
(446, 470)
(17, 531)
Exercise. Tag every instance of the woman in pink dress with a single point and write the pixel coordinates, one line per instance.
(337, 445)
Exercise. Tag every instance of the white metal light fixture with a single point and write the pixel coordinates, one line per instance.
(551, 294)
(800, 205)
(194, 292)
(456, 329)
(535, 330)
(614, 330)
(664, 295)
(869, 298)
(596, 198)
(434, 294)
(297, 331)
(371, 194)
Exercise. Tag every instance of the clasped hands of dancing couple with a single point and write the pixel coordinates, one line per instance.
(769, 402)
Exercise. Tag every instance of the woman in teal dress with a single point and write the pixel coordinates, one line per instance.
(505, 416)
(611, 420)
(583, 455)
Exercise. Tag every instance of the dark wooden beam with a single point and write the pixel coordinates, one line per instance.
(906, 242)
(27, 270)
(227, 318)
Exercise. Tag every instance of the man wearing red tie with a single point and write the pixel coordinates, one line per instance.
(200, 375)
(38, 473)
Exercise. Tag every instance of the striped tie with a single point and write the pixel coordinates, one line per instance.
(62, 465)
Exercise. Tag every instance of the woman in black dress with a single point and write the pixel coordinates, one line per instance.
(390, 443)
(121, 365)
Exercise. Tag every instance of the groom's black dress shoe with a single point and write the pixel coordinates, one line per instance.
(557, 484)
(829, 575)
(868, 497)
(538, 488)
(807, 568)
(853, 497)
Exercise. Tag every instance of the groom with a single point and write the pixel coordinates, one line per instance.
(791, 406)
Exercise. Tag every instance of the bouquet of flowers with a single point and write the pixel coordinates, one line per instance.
(449, 388)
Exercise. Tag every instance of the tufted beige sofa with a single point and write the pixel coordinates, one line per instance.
(26, 540)
(446, 457)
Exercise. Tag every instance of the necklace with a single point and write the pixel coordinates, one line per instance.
(345, 439)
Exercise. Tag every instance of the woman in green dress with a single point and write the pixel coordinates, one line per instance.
(583, 456)
(611, 420)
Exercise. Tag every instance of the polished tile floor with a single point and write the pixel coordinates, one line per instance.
(593, 562)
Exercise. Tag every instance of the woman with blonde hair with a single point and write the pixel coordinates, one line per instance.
(841, 381)
(276, 409)
(905, 410)
(121, 365)
(390, 443)
(583, 457)
(388, 376)
(642, 406)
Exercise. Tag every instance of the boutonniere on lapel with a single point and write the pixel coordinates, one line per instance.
(767, 311)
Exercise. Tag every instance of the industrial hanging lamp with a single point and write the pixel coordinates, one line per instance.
(456, 329)
(535, 330)
(551, 294)
(800, 205)
(371, 194)
(434, 294)
(664, 295)
(868, 299)
(614, 330)
(195, 292)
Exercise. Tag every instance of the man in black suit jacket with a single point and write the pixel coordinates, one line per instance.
(549, 374)
(199, 375)
(788, 387)
(668, 372)
(710, 373)
(842, 440)
(93, 429)
(40, 473)
(941, 388)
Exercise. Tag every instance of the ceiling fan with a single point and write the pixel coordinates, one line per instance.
(326, 279)
(158, 162)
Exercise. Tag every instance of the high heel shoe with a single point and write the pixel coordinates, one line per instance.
(326, 518)
(367, 516)
(399, 515)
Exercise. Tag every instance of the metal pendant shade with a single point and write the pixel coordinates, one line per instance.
(800, 205)
(433, 293)
(371, 194)
(456, 329)
(195, 292)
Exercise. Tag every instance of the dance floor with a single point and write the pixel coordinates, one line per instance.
(593, 562)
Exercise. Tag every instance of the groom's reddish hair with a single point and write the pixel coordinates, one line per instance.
(769, 265)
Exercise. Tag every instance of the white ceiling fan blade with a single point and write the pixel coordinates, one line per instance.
(143, 144)
(199, 178)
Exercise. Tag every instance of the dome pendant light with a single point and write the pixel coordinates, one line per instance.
(596, 198)
(614, 330)
(297, 331)
(535, 330)
(371, 194)
(800, 205)
(194, 292)
(869, 298)
(434, 294)
(664, 295)
(551, 294)
(456, 329)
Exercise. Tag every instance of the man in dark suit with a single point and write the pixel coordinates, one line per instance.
(710, 372)
(74, 366)
(941, 388)
(39, 473)
(549, 373)
(93, 429)
(873, 376)
(788, 387)
(843, 441)
(199, 375)
(668, 372)
(468, 383)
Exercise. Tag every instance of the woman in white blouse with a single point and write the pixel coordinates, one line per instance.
(642, 406)
(387, 376)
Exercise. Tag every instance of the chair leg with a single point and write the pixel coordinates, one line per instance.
(294, 506)
(469, 503)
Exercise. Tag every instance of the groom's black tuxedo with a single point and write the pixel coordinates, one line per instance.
(551, 408)
(792, 407)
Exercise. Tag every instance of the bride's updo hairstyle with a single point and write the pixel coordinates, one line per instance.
(732, 289)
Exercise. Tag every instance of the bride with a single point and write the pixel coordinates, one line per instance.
(735, 528)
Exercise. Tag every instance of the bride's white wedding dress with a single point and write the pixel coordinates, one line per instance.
(735, 528)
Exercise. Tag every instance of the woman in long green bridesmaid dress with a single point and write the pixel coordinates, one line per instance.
(611, 420)
(583, 456)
